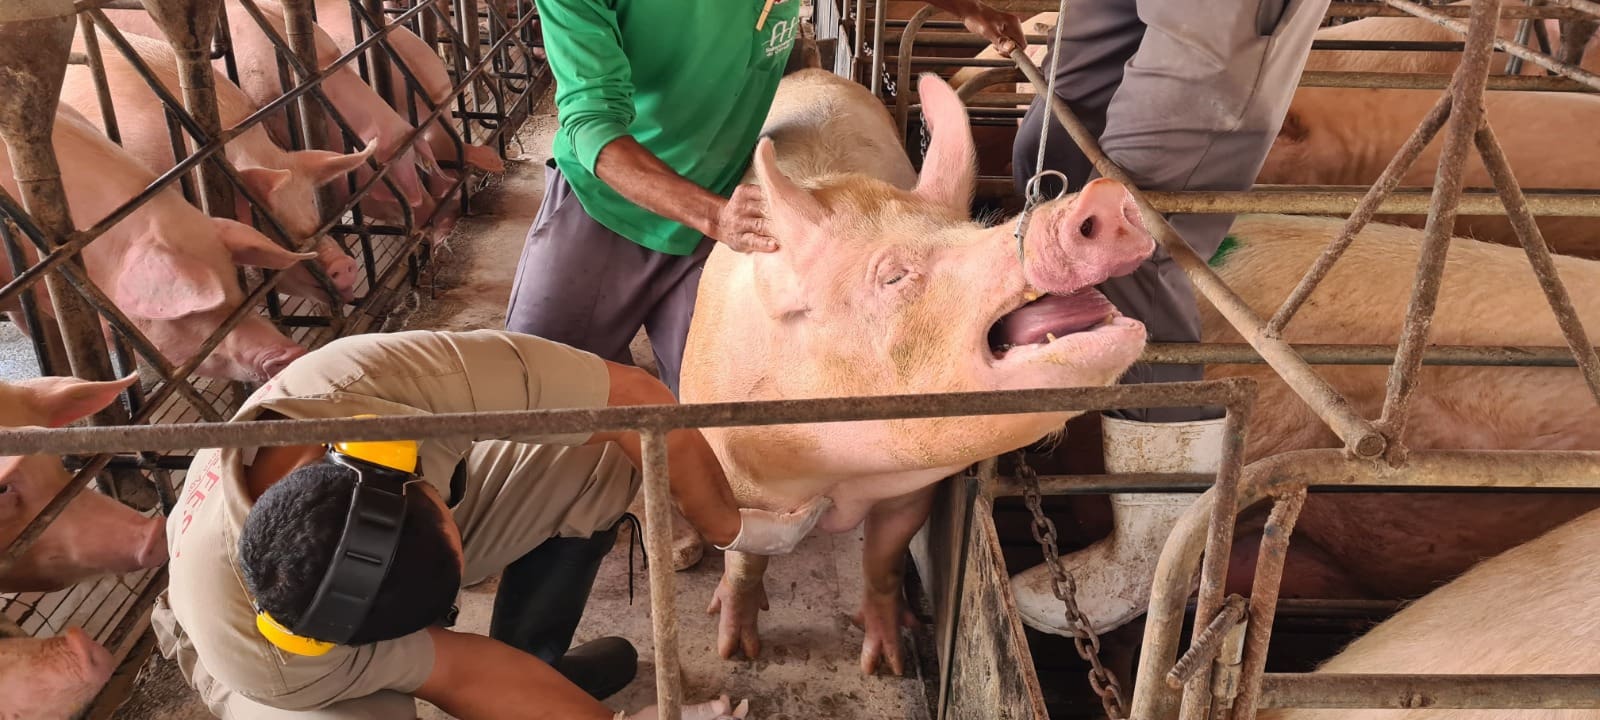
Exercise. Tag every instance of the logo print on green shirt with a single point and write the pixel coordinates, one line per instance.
(783, 35)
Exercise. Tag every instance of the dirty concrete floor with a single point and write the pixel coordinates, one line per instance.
(809, 667)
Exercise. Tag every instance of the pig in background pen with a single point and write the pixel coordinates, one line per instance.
(97, 537)
(51, 678)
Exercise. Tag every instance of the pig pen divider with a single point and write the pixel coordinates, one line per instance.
(1236, 395)
(1459, 115)
(114, 610)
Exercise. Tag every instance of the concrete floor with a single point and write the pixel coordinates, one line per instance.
(808, 667)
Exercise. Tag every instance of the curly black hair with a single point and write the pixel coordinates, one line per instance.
(288, 541)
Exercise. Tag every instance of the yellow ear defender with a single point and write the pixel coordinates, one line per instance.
(365, 550)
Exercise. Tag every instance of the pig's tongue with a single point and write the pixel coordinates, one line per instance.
(1051, 315)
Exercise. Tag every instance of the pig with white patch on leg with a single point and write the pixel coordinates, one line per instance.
(871, 257)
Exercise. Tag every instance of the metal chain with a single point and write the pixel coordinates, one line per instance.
(1101, 679)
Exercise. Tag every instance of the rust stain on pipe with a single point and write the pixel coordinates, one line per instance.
(1281, 474)
(1274, 551)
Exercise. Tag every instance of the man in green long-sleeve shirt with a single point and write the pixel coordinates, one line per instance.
(660, 106)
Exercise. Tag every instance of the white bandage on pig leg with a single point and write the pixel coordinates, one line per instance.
(1114, 574)
(763, 532)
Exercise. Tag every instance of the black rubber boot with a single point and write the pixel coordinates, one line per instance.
(540, 603)
(601, 667)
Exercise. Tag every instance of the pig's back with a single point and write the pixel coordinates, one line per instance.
(1488, 296)
(1532, 609)
(816, 114)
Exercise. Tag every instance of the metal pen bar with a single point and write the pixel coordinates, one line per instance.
(1264, 588)
(1544, 267)
(1279, 475)
(1552, 356)
(1386, 184)
(1466, 115)
(1545, 61)
(663, 581)
(1477, 692)
(1230, 393)
(1358, 434)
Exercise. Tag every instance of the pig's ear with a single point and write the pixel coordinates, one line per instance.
(263, 182)
(63, 400)
(323, 166)
(248, 247)
(789, 204)
(950, 168)
(160, 284)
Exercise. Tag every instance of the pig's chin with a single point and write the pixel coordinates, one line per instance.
(1048, 323)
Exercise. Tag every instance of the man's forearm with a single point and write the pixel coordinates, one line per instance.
(477, 678)
(699, 485)
(641, 177)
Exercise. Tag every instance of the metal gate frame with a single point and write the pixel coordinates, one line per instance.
(497, 78)
(1168, 686)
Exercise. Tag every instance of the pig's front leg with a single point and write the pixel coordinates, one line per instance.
(741, 596)
(889, 528)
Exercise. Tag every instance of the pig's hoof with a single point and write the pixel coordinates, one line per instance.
(687, 545)
(736, 628)
(881, 616)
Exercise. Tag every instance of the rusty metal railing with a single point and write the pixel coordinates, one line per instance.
(1373, 454)
(495, 80)
(652, 423)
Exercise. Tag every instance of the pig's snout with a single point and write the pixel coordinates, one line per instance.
(1098, 234)
(343, 271)
(88, 657)
(153, 551)
(274, 363)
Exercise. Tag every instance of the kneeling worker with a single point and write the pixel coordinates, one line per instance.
(281, 605)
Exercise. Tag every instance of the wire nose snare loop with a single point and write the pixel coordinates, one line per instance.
(1031, 197)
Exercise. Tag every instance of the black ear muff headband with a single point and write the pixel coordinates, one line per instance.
(365, 551)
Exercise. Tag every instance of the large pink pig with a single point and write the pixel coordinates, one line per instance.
(169, 267)
(1391, 545)
(285, 181)
(1412, 29)
(1531, 610)
(1347, 136)
(334, 17)
(49, 678)
(372, 120)
(882, 284)
(96, 535)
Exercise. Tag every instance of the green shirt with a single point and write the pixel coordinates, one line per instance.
(690, 80)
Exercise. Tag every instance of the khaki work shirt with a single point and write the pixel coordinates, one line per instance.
(516, 496)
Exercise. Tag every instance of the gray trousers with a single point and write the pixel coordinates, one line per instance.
(1183, 95)
(580, 284)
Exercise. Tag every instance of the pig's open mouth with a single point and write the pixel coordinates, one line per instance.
(1049, 318)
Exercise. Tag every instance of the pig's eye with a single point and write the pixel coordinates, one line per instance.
(901, 275)
(5, 489)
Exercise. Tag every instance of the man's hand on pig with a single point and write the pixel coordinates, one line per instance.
(763, 532)
(742, 224)
(719, 709)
